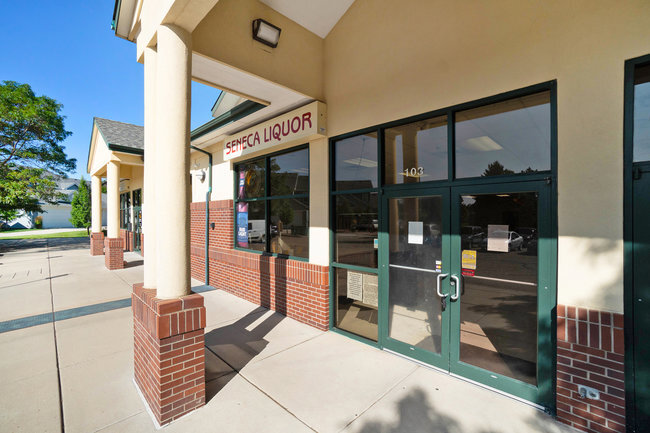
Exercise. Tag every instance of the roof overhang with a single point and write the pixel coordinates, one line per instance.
(124, 13)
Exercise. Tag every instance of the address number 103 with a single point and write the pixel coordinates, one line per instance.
(413, 172)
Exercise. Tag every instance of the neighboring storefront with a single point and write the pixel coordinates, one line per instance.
(459, 184)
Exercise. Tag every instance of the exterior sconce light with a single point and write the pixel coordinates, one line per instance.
(201, 176)
(266, 33)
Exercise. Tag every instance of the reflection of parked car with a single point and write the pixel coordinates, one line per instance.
(256, 232)
(528, 234)
(514, 240)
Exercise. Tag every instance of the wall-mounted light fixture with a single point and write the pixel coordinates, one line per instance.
(200, 175)
(266, 33)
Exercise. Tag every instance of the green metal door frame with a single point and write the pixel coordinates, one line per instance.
(546, 296)
(628, 237)
(438, 360)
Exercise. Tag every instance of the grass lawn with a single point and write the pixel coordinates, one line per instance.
(77, 234)
(17, 230)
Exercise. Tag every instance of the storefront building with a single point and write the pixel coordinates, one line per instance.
(116, 153)
(460, 184)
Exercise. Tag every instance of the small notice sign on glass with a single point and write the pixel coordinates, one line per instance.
(370, 290)
(498, 238)
(416, 232)
(355, 286)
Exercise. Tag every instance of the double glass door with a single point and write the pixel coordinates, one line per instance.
(467, 290)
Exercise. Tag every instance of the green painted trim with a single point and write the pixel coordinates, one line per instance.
(242, 110)
(354, 267)
(354, 191)
(125, 149)
(628, 239)
(276, 255)
(116, 14)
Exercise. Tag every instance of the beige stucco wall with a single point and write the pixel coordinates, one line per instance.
(297, 61)
(386, 60)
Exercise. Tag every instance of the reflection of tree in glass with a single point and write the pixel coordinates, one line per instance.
(283, 212)
(497, 169)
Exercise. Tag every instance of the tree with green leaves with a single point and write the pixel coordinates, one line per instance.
(31, 156)
(80, 213)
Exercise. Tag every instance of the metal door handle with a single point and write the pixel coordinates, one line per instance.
(438, 279)
(456, 294)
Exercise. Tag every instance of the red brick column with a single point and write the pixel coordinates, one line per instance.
(590, 351)
(113, 253)
(169, 353)
(97, 244)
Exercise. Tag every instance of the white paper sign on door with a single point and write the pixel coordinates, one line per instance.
(370, 290)
(355, 286)
(497, 238)
(416, 232)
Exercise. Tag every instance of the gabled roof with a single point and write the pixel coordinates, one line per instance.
(122, 137)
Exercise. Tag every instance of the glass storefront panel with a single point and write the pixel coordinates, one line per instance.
(642, 114)
(289, 227)
(509, 137)
(356, 302)
(355, 162)
(498, 311)
(415, 260)
(357, 222)
(416, 152)
(251, 179)
(251, 214)
(290, 173)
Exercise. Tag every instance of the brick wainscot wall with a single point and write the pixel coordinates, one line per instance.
(297, 289)
(590, 350)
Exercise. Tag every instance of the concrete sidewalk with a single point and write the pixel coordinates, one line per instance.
(73, 372)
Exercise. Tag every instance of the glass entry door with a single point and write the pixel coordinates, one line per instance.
(417, 256)
(469, 283)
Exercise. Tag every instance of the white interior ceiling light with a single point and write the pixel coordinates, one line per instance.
(481, 144)
(266, 33)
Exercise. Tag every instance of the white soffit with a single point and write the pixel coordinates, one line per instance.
(281, 99)
(317, 16)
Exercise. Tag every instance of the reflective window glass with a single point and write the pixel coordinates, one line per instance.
(290, 173)
(508, 137)
(251, 179)
(289, 227)
(355, 162)
(251, 227)
(498, 309)
(356, 302)
(357, 222)
(642, 114)
(416, 152)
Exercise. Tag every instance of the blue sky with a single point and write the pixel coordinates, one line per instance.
(67, 51)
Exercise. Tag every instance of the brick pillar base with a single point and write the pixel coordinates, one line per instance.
(113, 253)
(97, 244)
(169, 353)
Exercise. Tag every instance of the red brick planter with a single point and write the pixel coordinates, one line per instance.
(97, 244)
(113, 253)
(169, 354)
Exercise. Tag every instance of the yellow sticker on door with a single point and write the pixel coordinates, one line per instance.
(469, 259)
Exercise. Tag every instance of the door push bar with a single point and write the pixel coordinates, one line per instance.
(457, 290)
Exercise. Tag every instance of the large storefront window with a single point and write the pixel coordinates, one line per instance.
(509, 137)
(443, 236)
(272, 204)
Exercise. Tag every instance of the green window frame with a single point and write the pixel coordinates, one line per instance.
(266, 201)
(382, 188)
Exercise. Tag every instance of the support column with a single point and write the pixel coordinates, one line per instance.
(149, 189)
(96, 236)
(113, 244)
(169, 321)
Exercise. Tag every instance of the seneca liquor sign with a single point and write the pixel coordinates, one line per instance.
(304, 124)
